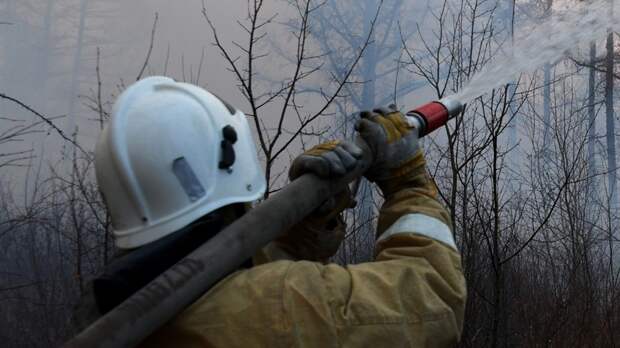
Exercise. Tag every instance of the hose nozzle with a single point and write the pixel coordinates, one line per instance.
(435, 114)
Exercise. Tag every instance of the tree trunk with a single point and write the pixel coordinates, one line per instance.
(592, 118)
(611, 136)
(10, 50)
(369, 65)
(547, 96)
(46, 52)
(499, 315)
(77, 60)
(614, 260)
(546, 108)
(365, 209)
(513, 124)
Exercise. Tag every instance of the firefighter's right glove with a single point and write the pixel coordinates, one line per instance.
(394, 143)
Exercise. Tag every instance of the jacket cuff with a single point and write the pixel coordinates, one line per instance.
(420, 224)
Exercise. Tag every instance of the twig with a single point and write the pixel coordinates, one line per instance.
(148, 55)
(99, 103)
(46, 120)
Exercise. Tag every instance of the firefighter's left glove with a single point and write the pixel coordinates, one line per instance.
(330, 160)
(318, 237)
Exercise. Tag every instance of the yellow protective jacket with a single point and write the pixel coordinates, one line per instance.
(412, 295)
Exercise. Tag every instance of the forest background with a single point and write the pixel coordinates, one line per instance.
(528, 171)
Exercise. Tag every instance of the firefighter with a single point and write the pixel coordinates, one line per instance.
(176, 165)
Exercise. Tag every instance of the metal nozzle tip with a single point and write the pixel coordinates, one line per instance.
(453, 106)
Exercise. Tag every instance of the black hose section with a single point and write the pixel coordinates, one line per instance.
(129, 273)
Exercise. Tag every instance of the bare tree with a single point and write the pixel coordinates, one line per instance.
(339, 30)
(293, 120)
(532, 214)
(511, 219)
(36, 283)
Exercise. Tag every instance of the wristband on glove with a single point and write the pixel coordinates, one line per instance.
(394, 144)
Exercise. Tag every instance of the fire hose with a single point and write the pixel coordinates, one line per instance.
(181, 285)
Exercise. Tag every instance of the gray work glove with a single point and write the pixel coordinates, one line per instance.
(319, 236)
(392, 140)
(328, 160)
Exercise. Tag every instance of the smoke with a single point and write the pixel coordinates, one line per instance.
(42, 38)
(50, 60)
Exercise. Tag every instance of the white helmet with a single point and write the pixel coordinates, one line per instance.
(172, 153)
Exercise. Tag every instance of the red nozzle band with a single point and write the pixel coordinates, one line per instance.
(434, 114)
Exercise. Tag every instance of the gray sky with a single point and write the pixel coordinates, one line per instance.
(182, 31)
(122, 30)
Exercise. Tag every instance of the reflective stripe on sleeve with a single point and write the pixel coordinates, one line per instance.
(422, 225)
